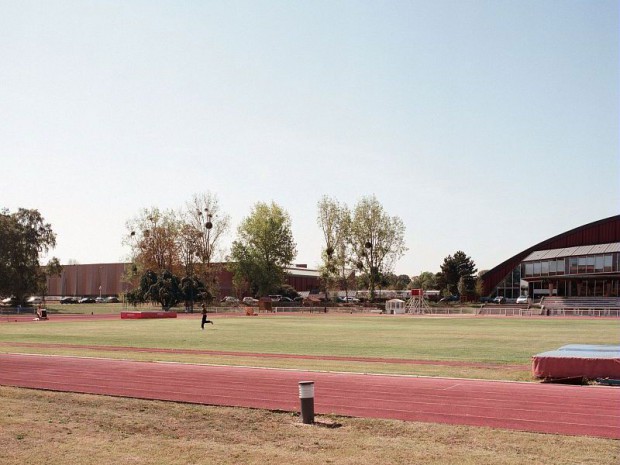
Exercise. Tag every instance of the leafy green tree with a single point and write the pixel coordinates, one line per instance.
(401, 282)
(263, 249)
(193, 289)
(334, 219)
(53, 268)
(377, 239)
(453, 269)
(426, 280)
(24, 235)
(166, 290)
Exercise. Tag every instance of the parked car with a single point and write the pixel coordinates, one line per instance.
(9, 301)
(352, 300)
(285, 299)
(68, 300)
(87, 300)
(100, 300)
(523, 299)
(450, 298)
(499, 300)
(485, 300)
(250, 301)
(275, 298)
(34, 300)
(111, 300)
(230, 300)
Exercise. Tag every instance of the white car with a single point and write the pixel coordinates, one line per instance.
(249, 300)
(523, 299)
(34, 300)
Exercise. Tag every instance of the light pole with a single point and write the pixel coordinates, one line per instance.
(206, 250)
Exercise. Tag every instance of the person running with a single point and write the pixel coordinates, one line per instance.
(204, 317)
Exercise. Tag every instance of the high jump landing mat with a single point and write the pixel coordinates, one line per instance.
(578, 361)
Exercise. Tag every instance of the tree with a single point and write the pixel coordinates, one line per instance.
(263, 249)
(193, 289)
(183, 242)
(210, 225)
(164, 288)
(334, 219)
(53, 268)
(426, 280)
(377, 239)
(153, 237)
(453, 269)
(24, 235)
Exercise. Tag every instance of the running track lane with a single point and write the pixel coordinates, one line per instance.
(545, 408)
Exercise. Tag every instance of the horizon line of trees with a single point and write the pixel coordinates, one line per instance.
(178, 255)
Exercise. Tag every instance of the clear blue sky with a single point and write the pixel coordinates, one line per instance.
(487, 126)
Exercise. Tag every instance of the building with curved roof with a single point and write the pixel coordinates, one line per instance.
(584, 261)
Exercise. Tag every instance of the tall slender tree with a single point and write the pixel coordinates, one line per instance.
(334, 219)
(377, 239)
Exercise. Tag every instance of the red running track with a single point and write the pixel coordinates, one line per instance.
(545, 408)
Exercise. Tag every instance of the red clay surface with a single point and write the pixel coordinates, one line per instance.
(560, 409)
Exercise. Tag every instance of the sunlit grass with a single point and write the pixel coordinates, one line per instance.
(500, 342)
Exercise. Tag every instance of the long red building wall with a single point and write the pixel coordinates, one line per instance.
(86, 280)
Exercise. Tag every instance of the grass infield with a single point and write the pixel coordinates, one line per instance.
(470, 347)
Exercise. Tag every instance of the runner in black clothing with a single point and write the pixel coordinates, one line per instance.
(204, 317)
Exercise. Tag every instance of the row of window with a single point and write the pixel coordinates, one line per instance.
(571, 265)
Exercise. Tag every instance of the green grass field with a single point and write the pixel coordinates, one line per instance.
(503, 346)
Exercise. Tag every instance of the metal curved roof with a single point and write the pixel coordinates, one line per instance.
(601, 232)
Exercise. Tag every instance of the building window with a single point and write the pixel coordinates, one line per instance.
(560, 266)
(608, 262)
(536, 268)
(598, 263)
(582, 265)
(529, 269)
(545, 268)
(553, 267)
(573, 265)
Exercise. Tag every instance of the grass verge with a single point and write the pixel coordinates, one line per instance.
(57, 428)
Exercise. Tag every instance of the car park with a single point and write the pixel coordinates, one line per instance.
(68, 300)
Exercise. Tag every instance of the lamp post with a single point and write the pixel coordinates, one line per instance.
(206, 234)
